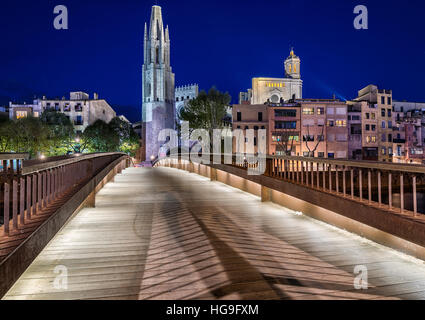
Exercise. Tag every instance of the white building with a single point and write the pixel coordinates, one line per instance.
(276, 90)
(183, 95)
(80, 109)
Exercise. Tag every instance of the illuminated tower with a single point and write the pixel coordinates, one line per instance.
(158, 108)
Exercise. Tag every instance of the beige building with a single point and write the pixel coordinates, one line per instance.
(249, 117)
(276, 90)
(324, 128)
(377, 123)
(79, 108)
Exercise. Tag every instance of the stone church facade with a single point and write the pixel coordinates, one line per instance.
(276, 90)
(158, 87)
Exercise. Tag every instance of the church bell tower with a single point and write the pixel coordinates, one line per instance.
(158, 107)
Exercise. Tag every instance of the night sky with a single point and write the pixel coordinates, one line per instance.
(221, 43)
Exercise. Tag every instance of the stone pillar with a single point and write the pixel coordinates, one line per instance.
(266, 194)
(213, 174)
(91, 200)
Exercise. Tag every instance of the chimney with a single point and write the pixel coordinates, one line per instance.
(96, 96)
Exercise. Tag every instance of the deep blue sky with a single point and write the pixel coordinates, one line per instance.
(221, 43)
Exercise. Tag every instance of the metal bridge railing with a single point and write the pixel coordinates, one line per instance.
(36, 184)
(391, 186)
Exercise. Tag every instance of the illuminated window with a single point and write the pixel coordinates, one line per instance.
(340, 123)
(373, 139)
(295, 68)
(308, 111)
(320, 110)
(21, 114)
(290, 68)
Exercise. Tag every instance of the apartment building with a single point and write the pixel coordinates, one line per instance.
(284, 136)
(247, 117)
(354, 120)
(377, 120)
(324, 128)
(79, 108)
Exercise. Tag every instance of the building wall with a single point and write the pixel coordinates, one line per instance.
(285, 114)
(249, 119)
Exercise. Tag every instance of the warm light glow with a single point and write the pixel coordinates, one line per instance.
(152, 158)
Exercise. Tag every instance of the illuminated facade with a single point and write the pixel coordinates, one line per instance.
(276, 90)
(158, 84)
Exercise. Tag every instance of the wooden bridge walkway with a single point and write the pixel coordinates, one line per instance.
(167, 234)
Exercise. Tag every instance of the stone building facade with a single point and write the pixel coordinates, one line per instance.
(158, 92)
(276, 90)
(79, 108)
(183, 95)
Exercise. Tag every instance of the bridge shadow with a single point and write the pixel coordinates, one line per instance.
(203, 247)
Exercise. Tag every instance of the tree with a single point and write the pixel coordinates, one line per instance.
(29, 135)
(307, 139)
(207, 111)
(61, 132)
(128, 138)
(100, 137)
(285, 141)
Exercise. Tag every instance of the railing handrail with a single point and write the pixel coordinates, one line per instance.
(58, 163)
(13, 156)
(385, 166)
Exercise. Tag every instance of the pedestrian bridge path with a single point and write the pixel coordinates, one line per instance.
(163, 233)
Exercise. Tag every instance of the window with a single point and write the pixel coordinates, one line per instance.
(177, 99)
(321, 138)
(330, 110)
(390, 124)
(389, 101)
(389, 112)
(367, 116)
(67, 108)
(341, 111)
(383, 125)
(256, 128)
(330, 123)
(331, 155)
(383, 112)
(285, 125)
(384, 137)
(239, 116)
(341, 123)
(21, 114)
(373, 127)
(390, 151)
(384, 151)
(372, 115)
(367, 127)
(390, 138)
(57, 108)
(285, 113)
(36, 114)
(382, 100)
(321, 154)
(320, 110)
(260, 116)
(308, 111)
(373, 139)
(308, 138)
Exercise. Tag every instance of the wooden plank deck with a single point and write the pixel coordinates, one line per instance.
(167, 234)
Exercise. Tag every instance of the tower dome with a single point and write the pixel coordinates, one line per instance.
(292, 66)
